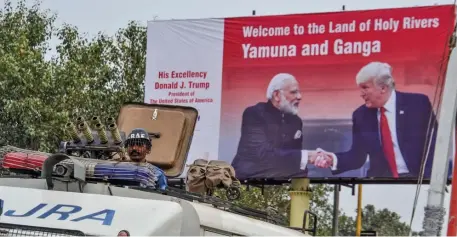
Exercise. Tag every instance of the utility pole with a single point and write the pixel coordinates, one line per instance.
(434, 211)
(452, 220)
(358, 229)
(336, 207)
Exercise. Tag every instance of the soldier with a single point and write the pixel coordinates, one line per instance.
(138, 145)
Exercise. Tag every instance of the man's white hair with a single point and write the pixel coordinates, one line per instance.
(277, 83)
(380, 73)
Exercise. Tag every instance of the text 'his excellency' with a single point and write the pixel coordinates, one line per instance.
(196, 75)
(182, 86)
(339, 46)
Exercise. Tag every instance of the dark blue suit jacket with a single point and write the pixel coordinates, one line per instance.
(268, 147)
(413, 137)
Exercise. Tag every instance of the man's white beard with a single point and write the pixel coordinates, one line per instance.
(287, 107)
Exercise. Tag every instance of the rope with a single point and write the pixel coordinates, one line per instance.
(436, 99)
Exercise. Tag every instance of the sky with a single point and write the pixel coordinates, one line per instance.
(109, 15)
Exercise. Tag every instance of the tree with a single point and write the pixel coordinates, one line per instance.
(107, 70)
(39, 96)
(323, 207)
(383, 221)
(24, 37)
(346, 225)
(278, 198)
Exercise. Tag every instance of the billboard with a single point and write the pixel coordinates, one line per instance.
(350, 95)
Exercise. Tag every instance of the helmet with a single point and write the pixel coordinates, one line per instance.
(138, 133)
(138, 144)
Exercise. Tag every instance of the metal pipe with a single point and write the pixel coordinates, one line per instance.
(87, 132)
(100, 128)
(336, 207)
(95, 120)
(110, 120)
(79, 121)
(115, 133)
(71, 128)
(359, 212)
(299, 202)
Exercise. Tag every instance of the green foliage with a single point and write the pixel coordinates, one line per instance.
(322, 206)
(39, 96)
(26, 77)
(98, 75)
(383, 221)
(273, 198)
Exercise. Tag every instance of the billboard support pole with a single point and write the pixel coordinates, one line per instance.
(336, 207)
(358, 229)
(434, 211)
(299, 202)
(452, 222)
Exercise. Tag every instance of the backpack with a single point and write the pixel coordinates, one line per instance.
(205, 176)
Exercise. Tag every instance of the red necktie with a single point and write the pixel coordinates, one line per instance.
(387, 144)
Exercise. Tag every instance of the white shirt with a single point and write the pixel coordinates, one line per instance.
(304, 159)
(391, 107)
(391, 116)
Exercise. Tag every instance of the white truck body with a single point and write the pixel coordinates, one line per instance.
(102, 209)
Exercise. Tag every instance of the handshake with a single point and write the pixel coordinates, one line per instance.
(321, 158)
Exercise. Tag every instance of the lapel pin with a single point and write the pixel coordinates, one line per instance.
(402, 112)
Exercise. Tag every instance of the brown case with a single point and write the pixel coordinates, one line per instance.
(176, 125)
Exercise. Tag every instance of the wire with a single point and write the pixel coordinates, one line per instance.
(438, 94)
